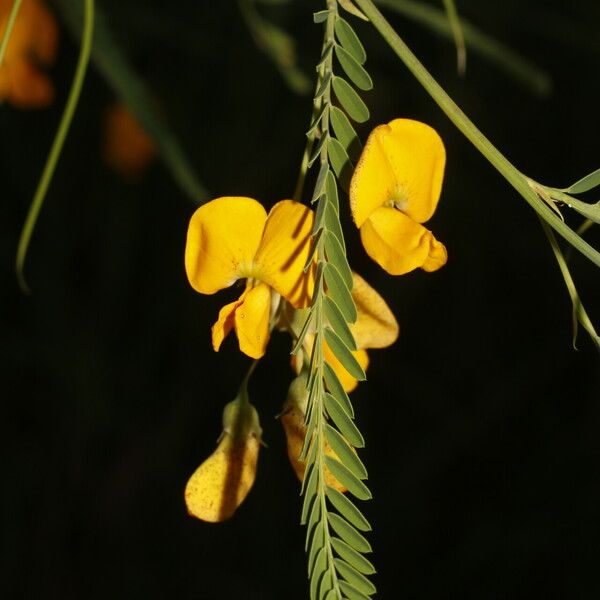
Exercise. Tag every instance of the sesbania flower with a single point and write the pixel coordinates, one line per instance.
(232, 238)
(375, 327)
(222, 482)
(33, 42)
(395, 187)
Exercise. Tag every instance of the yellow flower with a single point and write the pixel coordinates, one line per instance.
(222, 482)
(375, 327)
(292, 419)
(32, 43)
(395, 187)
(232, 238)
(127, 147)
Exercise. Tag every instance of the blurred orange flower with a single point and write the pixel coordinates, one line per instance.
(32, 46)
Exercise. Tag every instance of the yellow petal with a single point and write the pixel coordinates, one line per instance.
(222, 239)
(225, 322)
(284, 250)
(402, 164)
(348, 382)
(252, 321)
(295, 432)
(399, 244)
(376, 326)
(220, 484)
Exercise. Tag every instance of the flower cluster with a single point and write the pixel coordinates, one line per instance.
(395, 188)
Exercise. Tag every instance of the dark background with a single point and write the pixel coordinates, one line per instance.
(482, 422)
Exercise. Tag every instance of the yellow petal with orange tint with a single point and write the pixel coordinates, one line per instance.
(399, 244)
(284, 250)
(252, 321)
(220, 484)
(223, 237)
(225, 322)
(348, 382)
(375, 326)
(402, 164)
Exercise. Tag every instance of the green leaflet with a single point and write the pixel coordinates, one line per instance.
(352, 557)
(336, 255)
(355, 71)
(349, 40)
(345, 133)
(349, 511)
(349, 7)
(324, 85)
(332, 223)
(317, 541)
(338, 323)
(355, 486)
(353, 577)
(351, 592)
(321, 16)
(345, 452)
(343, 422)
(337, 289)
(341, 163)
(316, 121)
(351, 102)
(585, 184)
(331, 191)
(337, 390)
(590, 211)
(344, 355)
(323, 141)
(348, 533)
(317, 572)
(309, 491)
(321, 180)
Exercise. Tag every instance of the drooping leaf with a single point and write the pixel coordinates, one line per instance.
(350, 100)
(355, 71)
(343, 422)
(354, 485)
(348, 533)
(349, 40)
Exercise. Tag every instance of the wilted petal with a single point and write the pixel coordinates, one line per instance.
(283, 252)
(220, 484)
(376, 326)
(402, 164)
(223, 237)
(399, 244)
(252, 320)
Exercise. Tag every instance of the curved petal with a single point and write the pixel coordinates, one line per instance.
(252, 320)
(284, 250)
(222, 482)
(226, 321)
(223, 236)
(348, 382)
(398, 244)
(375, 326)
(402, 163)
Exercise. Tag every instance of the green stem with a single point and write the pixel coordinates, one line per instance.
(12, 17)
(462, 122)
(57, 144)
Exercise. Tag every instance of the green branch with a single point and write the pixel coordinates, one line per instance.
(57, 144)
(462, 122)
